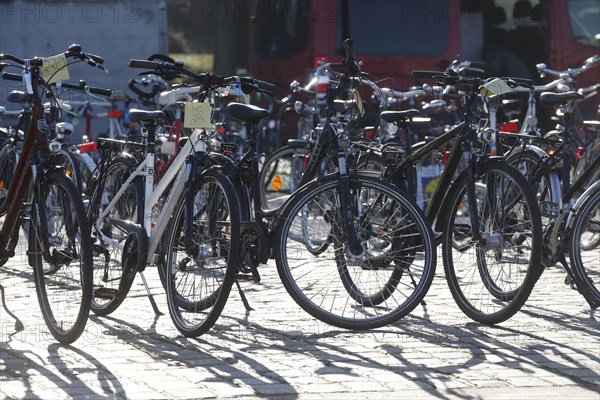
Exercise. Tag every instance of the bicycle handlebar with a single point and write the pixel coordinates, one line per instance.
(571, 72)
(12, 77)
(74, 51)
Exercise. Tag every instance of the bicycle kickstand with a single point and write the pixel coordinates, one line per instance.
(243, 296)
(150, 296)
(18, 324)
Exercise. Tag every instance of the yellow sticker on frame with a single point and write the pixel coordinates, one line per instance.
(197, 115)
(54, 69)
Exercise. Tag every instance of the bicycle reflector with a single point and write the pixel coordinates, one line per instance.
(277, 183)
(579, 153)
(87, 147)
(510, 127)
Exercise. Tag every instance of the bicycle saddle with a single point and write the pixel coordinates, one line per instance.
(555, 99)
(399, 116)
(136, 115)
(246, 112)
(17, 97)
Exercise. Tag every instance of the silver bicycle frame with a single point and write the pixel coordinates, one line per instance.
(177, 172)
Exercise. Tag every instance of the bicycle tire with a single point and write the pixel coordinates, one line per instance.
(109, 290)
(8, 163)
(585, 260)
(491, 289)
(280, 175)
(359, 293)
(64, 293)
(198, 284)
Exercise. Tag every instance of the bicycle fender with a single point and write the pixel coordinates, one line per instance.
(538, 151)
(590, 193)
(551, 174)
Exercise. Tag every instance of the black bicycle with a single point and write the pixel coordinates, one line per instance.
(352, 250)
(486, 215)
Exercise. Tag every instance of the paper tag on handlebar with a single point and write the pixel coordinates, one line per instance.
(54, 69)
(197, 115)
(495, 87)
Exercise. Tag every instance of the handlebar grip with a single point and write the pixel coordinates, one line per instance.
(143, 64)
(75, 86)
(477, 64)
(96, 58)
(523, 81)
(266, 86)
(100, 91)
(139, 92)
(9, 76)
(425, 74)
(349, 47)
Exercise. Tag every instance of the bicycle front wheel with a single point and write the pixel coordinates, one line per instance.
(491, 279)
(382, 284)
(584, 247)
(60, 251)
(8, 163)
(202, 254)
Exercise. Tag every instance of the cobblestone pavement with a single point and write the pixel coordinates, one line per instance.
(551, 349)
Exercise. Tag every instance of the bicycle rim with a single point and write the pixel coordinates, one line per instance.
(585, 248)
(377, 288)
(108, 291)
(491, 280)
(63, 273)
(199, 280)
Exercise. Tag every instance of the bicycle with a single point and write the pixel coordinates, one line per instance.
(194, 238)
(568, 229)
(485, 214)
(59, 248)
(351, 250)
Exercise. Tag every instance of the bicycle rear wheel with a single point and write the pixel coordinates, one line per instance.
(111, 284)
(584, 247)
(490, 280)
(202, 262)
(380, 286)
(60, 253)
(281, 174)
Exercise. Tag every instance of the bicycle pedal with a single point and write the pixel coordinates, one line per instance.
(247, 277)
(549, 209)
(106, 293)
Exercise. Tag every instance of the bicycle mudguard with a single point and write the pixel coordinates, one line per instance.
(297, 143)
(589, 193)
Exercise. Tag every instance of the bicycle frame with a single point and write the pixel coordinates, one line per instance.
(34, 140)
(177, 173)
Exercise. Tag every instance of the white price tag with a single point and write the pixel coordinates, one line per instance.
(495, 87)
(54, 69)
(197, 115)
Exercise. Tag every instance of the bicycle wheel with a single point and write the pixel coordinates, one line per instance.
(202, 262)
(490, 280)
(380, 286)
(585, 257)
(60, 242)
(111, 280)
(281, 174)
(8, 163)
(72, 168)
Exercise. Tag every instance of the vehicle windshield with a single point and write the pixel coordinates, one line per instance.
(282, 28)
(417, 28)
(584, 16)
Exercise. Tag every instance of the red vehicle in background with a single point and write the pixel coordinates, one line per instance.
(395, 37)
